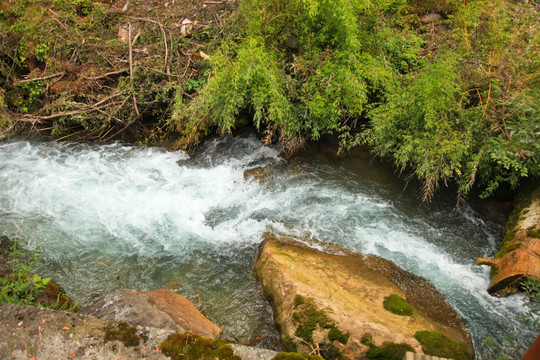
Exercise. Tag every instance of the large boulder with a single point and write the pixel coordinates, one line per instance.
(519, 255)
(159, 309)
(346, 305)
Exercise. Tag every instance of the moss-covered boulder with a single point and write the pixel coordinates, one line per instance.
(519, 255)
(333, 305)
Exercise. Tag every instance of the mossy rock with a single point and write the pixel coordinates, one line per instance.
(189, 346)
(388, 351)
(124, 333)
(437, 344)
(295, 356)
(397, 305)
(54, 298)
(308, 317)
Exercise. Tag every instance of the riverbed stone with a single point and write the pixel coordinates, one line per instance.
(159, 309)
(519, 255)
(332, 303)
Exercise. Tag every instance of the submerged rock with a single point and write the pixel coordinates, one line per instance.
(333, 304)
(159, 309)
(519, 255)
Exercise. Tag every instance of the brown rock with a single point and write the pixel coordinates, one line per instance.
(519, 257)
(349, 289)
(159, 309)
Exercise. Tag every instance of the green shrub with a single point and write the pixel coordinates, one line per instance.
(21, 287)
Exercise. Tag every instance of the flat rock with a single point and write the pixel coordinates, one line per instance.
(28, 332)
(350, 289)
(159, 309)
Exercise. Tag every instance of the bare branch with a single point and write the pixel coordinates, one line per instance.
(41, 78)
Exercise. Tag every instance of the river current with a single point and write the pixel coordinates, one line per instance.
(119, 216)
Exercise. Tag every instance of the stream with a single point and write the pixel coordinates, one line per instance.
(118, 216)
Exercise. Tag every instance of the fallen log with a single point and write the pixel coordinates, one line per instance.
(519, 255)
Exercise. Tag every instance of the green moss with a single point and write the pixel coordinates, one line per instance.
(189, 346)
(437, 344)
(53, 297)
(397, 305)
(494, 271)
(521, 202)
(288, 344)
(295, 356)
(124, 333)
(389, 351)
(308, 318)
(338, 335)
(330, 352)
(534, 232)
(367, 339)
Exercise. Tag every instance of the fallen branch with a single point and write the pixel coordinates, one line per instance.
(131, 71)
(41, 78)
(105, 75)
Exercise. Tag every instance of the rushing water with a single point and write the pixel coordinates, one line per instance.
(116, 216)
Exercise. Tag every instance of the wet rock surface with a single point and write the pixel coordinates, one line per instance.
(335, 301)
(160, 309)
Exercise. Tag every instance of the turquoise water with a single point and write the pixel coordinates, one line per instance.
(117, 216)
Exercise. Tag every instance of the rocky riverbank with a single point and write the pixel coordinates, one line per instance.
(344, 306)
